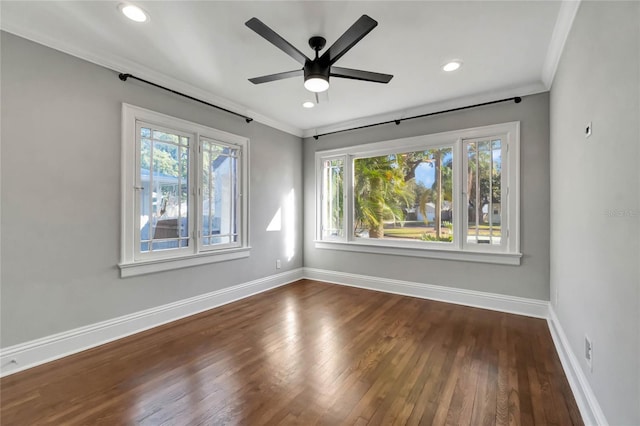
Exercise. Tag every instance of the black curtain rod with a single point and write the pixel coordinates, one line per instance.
(124, 77)
(516, 99)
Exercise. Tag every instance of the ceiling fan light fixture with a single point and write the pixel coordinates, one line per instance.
(133, 12)
(316, 84)
(452, 66)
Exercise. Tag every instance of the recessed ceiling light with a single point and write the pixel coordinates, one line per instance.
(308, 104)
(133, 12)
(452, 66)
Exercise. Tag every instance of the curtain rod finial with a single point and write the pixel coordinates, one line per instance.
(124, 77)
(517, 99)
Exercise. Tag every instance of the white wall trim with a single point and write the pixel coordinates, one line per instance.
(566, 15)
(495, 302)
(462, 255)
(30, 354)
(585, 398)
(36, 352)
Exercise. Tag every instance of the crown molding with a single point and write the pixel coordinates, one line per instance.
(524, 90)
(566, 15)
(120, 64)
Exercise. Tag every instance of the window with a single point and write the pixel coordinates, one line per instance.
(333, 198)
(451, 195)
(184, 193)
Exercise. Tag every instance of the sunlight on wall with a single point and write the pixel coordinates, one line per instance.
(285, 220)
(276, 222)
(290, 225)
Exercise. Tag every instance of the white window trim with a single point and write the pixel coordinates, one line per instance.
(508, 254)
(130, 265)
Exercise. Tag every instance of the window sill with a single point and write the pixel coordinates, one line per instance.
(444, 254)
(132, 269)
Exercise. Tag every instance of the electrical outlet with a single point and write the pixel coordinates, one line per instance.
(588, 352)
(587, 130)
(278, 264)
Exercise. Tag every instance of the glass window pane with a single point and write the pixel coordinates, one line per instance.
(219, 193)
(332, 199)
(166, 137)
(484, 190)
(164, 192)
(405, 196)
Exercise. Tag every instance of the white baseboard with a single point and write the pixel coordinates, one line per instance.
(30, 354)
(496, 302)
(585, 398)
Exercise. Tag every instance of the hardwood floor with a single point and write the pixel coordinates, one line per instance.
(308, 353)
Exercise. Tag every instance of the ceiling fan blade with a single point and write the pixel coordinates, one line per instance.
(354, 34)
(272, 37)
(278, 76)
(360, 75)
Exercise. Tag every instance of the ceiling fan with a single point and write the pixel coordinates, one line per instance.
(317, 71)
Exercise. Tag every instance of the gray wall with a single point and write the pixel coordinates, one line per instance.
(61, 195)
(530, 279)
(594, 252)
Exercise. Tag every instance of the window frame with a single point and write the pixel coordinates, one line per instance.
(345, 201)
(171, 253)
(509, 253)
(132, 260)
(238, 196)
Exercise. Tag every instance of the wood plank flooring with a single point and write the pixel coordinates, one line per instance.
(308, 353)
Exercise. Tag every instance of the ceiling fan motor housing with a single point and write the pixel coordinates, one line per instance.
(313, 69)
(317, 43)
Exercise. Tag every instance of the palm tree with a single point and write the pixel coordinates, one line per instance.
(380, 192)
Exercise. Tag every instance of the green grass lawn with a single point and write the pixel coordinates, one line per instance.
(406, 232)
(416, 232)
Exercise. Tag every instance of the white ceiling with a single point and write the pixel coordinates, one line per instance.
(204, 49)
